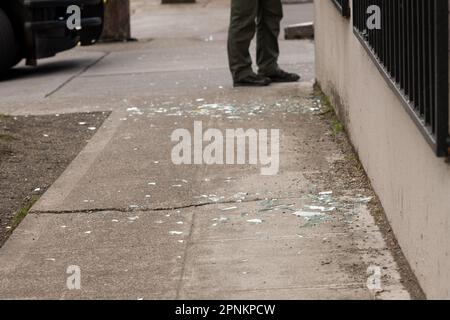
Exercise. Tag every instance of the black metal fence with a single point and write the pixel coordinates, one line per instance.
(343, 6)
(411, 51)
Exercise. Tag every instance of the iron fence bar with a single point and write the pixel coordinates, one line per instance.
(343, 6)
(441, 76)
(411, 52)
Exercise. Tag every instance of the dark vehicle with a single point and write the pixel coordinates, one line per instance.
(35, 29)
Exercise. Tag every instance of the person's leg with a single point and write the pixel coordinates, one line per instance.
(270, 13)
(241, 32)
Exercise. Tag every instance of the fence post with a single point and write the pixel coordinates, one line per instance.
(117, 21)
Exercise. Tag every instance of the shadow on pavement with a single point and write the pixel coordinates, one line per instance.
(46, 68)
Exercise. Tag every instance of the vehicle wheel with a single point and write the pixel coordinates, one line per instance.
(9, 51)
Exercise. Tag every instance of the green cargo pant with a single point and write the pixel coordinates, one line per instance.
(247, 17)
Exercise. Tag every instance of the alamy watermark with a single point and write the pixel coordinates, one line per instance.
(374, 20)
(73, 281)
(230, 147)
(374, 282)
(74, 17)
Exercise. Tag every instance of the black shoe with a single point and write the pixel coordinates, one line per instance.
(282, 76)
(253, 80)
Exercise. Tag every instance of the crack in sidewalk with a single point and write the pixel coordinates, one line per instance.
(146, 209)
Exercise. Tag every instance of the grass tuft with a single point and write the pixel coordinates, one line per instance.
(6, 137)
(22, 212)
(327, 110)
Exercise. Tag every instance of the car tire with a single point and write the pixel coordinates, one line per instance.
(9, 49)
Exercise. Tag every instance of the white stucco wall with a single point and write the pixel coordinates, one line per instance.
(412, 183)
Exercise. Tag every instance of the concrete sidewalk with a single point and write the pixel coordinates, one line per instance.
(140, 227)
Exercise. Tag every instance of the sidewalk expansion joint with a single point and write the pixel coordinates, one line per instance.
(104, 55)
